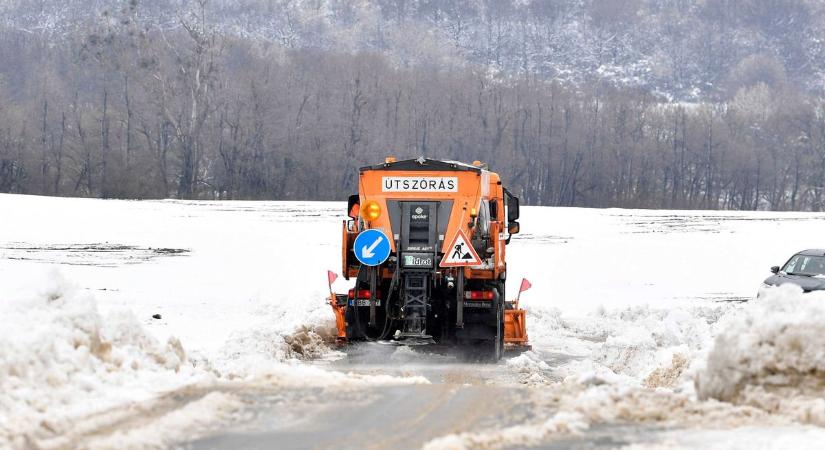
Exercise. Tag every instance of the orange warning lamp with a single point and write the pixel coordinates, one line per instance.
(389, 159)
(371, 211)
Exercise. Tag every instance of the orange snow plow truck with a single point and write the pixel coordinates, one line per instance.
(426, 243)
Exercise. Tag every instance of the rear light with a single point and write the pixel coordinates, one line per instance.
(478, 295)
(362, 293)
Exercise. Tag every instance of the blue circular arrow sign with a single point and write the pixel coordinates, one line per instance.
(372, 247)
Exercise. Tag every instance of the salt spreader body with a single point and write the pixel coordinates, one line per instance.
(426, 243)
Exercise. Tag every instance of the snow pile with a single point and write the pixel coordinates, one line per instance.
(577, 404)
(251, 352)
(772, 356)
(611, 403)
(560, 425)
(546, 324)
(743, 438)
(196, 418)
(531, 369)
(645, 340)
(61, 360)
(284, 333)
(668, 376)
(67, 371)
(641, 346)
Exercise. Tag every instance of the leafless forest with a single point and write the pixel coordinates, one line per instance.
(120, 106)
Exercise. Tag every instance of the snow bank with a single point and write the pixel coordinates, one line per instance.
(610, 403)
(560, 425)
(530, 367)
(742, 438)
(576, 405)
(638, 346)
(772, 356)
(67, 371)
(643, 340)
(194, 419)
(254, 351)
(61, 360)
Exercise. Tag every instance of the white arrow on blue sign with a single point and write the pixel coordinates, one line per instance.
(372, 247)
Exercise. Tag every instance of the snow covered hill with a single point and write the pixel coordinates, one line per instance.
(109, 309)
(687, 50)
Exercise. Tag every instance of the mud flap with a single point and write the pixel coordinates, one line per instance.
(483, 333)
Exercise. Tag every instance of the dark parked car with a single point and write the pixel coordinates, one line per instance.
(805, 269)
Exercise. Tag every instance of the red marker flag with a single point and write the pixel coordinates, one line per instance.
(524, 286)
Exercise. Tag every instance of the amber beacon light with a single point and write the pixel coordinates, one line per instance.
(371, 211)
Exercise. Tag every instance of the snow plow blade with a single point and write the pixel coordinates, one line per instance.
(515, 330)
(339, 308)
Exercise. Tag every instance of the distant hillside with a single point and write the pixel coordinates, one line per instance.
(685, 50)
(704, 104)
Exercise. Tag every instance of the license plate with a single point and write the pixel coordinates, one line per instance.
(364, 302)
(477, 304)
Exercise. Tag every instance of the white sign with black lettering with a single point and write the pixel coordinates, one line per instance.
(419, 184)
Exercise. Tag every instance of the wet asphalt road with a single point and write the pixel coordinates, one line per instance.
(462, 397)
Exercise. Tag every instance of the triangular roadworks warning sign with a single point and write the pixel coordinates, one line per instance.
(460, 253)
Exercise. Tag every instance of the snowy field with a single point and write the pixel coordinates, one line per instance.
(157, 324)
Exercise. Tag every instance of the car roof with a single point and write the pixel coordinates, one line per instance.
(812, 252)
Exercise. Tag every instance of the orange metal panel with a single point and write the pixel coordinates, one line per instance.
(515, 327)
(468, 195)
(340, 319)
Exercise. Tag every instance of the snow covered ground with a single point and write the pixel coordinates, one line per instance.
(638, 318)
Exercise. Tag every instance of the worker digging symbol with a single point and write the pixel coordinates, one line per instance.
(461, 254)
(457, 254)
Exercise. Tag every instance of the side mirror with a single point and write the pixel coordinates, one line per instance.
(512, 206)
(513, 228)
(353, 206)
(775, 270)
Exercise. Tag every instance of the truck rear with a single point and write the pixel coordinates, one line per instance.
(440, 275)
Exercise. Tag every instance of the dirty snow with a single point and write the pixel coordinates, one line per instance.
(62, 360)
(772, 356)
(561, 424)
